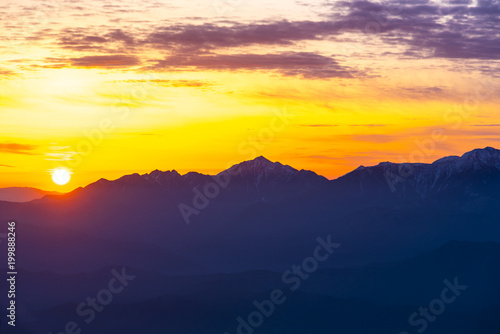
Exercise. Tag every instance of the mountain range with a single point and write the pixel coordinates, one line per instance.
(402, 230)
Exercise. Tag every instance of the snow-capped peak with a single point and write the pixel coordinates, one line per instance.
(475, 159)
(261, 165)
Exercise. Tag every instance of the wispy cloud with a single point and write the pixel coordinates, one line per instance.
(319, 125)
(369, 125)
(173, 83)
(374, 138)
(59, 156)
(16, 148)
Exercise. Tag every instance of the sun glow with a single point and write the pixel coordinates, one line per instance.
(61, 176)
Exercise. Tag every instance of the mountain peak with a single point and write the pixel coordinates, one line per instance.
(261, 171)
(261, 165)
(261, 159)
(479, 158)
(486, 152)
(448, 159)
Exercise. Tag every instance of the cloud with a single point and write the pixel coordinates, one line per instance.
(449, 29)
(210, 36)
(60, 156)
(304, 64)
(8, 166)
(452, 29)
(110, 61)
(104, 61)
(79, 39)
(15, 148)
(422, 93)
(6, 73)
(368, 125)
(119, 35)
(323, 157)
(173, 83)
(374, 138)
(318, 125)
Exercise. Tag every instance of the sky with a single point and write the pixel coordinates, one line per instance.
(107, 88)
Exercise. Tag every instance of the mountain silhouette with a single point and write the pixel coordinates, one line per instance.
(402, 230)
(264, 214)
(23, 194)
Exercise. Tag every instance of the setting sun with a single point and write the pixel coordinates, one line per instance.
(61, 176)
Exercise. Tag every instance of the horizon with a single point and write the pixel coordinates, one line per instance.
(182, 173)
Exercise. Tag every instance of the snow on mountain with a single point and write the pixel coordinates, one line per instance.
(425, 179)
(261, 170)
(264, 178)
(258, 178)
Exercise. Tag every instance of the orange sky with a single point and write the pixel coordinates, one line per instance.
(112, 88)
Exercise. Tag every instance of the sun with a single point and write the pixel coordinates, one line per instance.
(61, 176)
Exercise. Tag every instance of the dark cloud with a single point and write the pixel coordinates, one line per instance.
(93, 39)
(210, 36)
(453, 29)
(304, 64)
(79, 39)
(450, 30)
(110, 61)
(17, 148)
(119, 35)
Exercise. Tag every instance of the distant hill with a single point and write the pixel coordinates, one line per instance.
(23, 194)
(330, 301)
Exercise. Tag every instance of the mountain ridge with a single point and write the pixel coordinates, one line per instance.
(263, 203)
(260, 165)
